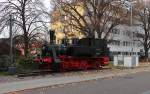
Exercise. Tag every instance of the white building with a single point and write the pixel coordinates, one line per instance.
(124, 40)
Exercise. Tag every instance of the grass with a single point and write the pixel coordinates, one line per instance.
(4, 73)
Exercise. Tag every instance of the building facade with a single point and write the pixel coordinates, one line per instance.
(59, 23)
(123, 40)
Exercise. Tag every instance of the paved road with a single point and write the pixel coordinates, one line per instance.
(138, 83)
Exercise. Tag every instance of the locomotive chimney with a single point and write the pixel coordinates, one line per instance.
(52, 36)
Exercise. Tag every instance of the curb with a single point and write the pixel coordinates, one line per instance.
(45, 82)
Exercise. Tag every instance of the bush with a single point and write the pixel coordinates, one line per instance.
(25, 65)
(4, 62)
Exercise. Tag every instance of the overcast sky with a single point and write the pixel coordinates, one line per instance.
(47, 5)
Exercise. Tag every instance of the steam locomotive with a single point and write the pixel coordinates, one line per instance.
(86, 53)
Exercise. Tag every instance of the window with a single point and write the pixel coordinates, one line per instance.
(133, 43)
(124, 33)
(115, 42)
(116, 31)
(125, 43)
(128, 33)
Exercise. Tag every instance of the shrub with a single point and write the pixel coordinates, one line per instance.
(25, 65)
(4, 62)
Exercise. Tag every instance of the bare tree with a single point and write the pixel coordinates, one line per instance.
(143, 17)
(28, 18)
(99, 16)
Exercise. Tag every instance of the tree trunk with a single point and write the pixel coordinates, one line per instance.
(26, 38)
(146, 54)
(26, 44)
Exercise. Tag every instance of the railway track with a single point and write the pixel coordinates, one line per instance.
(34, 73)
(46, 72)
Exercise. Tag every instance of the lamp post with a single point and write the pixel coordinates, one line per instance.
(11, 38)
(131, 24)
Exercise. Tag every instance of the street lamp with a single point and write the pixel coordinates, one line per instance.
(131, 23)
(11, 37)
(130, 6)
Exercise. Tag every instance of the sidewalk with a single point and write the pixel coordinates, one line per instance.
(43, 82)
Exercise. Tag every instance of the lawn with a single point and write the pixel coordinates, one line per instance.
(2, 73)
